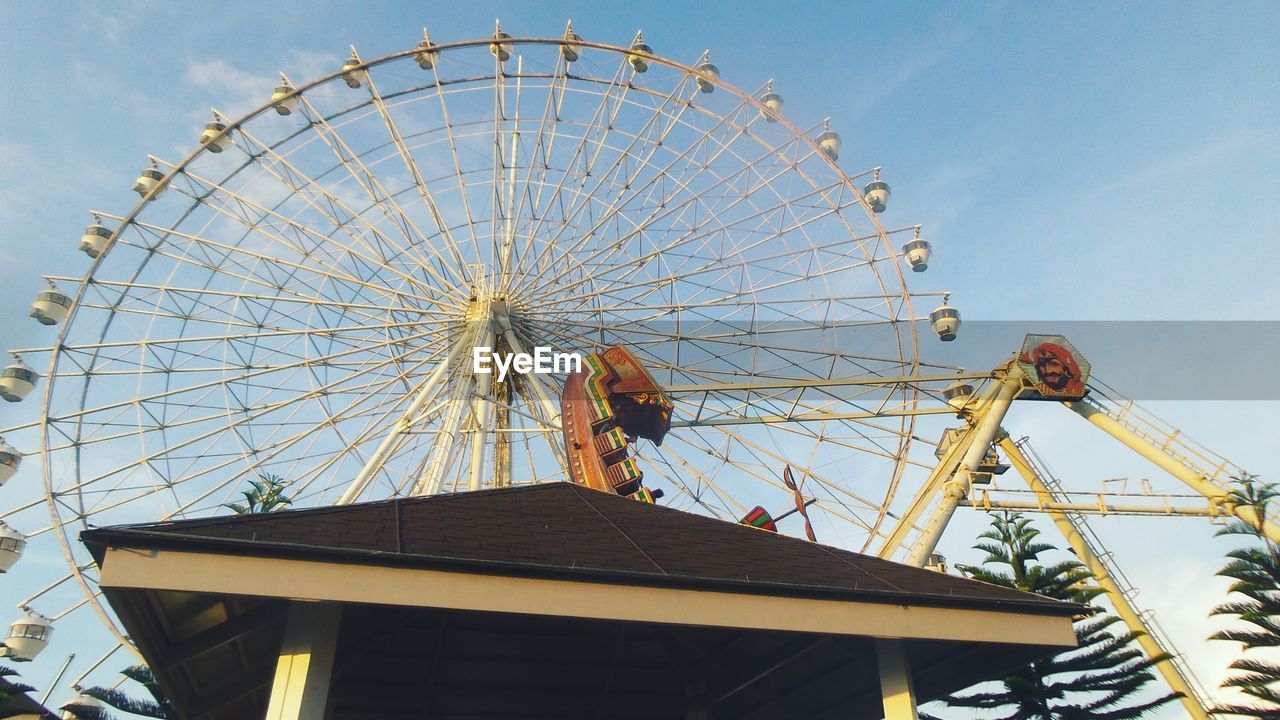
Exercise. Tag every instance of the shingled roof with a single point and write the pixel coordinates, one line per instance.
(566, 531)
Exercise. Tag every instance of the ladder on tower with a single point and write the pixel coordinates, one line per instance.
(1163, 436)
(1150, 624)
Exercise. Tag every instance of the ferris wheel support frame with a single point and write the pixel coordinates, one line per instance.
(1147, 639)
(401, 429)
(550, 410)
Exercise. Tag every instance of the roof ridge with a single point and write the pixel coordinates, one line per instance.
(582, 496)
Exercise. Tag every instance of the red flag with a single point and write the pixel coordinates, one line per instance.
(801, 505)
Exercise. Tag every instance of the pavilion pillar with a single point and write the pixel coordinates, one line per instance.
(301, 686)
(896, 689)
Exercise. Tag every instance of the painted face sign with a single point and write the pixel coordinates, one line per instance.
(1057, 369)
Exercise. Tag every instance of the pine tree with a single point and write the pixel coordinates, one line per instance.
(264, 495)
(157, 706)
(1097, 679)
(8, 688)
(1256, 572)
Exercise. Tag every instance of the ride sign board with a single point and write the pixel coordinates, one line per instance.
(1055, 369)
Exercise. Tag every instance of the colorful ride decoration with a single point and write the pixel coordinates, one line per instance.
(760, 518)
(605, 407)
(1056, 370)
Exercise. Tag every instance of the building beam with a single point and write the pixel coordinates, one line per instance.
(300, 690)
(897, 691)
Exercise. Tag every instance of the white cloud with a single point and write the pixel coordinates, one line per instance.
(235, 91)
(97, 82)
(19, 168)
(1192, 161)
(99, 24)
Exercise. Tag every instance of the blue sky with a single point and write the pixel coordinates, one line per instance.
(1081, 161)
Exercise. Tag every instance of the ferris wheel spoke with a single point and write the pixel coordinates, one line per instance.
(241, 377)
(300, 481)
(442, 228)
(764, 458)
(747, 168)
(355, 333)
(197, 296)
(763, 215)
(726, 335)
(309, 189)
(719, 302)
(544, 147)
(724, 502)
(602, 118)
(633, 265)
(365, 178)
(656, 182)
(459, 171)
(286, 292)
(212, 189)
(266, 284)
(249, 415)
(622, 200)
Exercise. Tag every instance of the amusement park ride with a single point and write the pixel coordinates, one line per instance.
(300, 296)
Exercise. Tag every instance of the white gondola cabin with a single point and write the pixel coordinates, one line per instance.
(829, 143)
(353, 73)
(706, 74)
(95, 239)
(425, 54)
(12, 543)
(639, 62)
(17, 380)
(82, 706)
(50, 307)
(214, 138)
(877, 194)
(148, 183)
(28, 636)
(569, 48)
(10, 461)
(500, 47)
(945, 322)
(284, 99)
(772, 102)
(957, 394)
(917, 252)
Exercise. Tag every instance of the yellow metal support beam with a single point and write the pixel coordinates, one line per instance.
(983, 501)
(1146, 639)
(1193, 479)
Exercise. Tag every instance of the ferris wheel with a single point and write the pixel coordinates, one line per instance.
(303, 295)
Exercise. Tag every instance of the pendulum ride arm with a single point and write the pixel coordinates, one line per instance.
(1094, 560)
(987, 423)
(1154, 452)
(941, 473)
(937, 477)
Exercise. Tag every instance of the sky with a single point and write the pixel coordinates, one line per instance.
(1068, 161)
